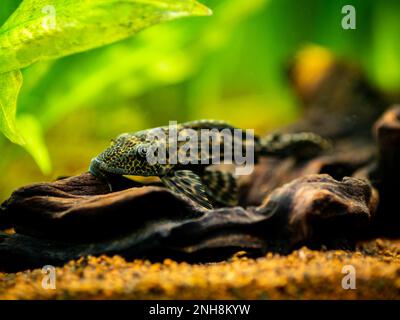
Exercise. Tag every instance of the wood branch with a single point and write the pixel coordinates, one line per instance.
(271, 173)
(386, 176)
(54, 223)
(339, 102)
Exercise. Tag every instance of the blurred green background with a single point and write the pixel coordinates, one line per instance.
(228, 66)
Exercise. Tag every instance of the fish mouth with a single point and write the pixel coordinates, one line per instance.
(99, 169)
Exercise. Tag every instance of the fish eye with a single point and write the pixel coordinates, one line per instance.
(142, 151)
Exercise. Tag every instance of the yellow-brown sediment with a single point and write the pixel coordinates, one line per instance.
(304, 274)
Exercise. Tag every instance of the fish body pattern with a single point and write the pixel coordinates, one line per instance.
(133, 154)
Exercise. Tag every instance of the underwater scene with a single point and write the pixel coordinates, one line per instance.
(199, 150)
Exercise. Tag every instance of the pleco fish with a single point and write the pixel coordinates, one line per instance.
(185, 173)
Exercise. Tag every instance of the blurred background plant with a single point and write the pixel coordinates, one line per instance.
(228, 66)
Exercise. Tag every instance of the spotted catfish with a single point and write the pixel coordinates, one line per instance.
(179, 157)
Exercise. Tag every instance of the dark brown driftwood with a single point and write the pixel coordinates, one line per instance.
(323, 208)
(271, 173)
(386, 176)
(154, 222)
(57, 211)
(339, 104)
(338, 100)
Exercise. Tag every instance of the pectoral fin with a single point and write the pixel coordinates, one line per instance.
(189, 185)
(221, 187)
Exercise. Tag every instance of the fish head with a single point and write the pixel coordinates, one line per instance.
(129, 154)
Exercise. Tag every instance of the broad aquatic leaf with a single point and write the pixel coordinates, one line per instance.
(133, 67)
(7, 7)
(40, 29)
(32, 132)
(10, 85)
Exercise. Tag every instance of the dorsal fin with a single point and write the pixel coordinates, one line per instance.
(207, 124)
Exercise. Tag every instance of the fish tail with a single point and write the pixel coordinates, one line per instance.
(303, 145)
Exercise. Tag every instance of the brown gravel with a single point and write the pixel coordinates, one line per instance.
(304, 274)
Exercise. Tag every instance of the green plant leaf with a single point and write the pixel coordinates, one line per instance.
(7, 7)
(132, 67)
(32, 132)
(40, 29)
(10, 85)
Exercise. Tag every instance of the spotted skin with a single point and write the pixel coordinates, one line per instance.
(127, 155)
